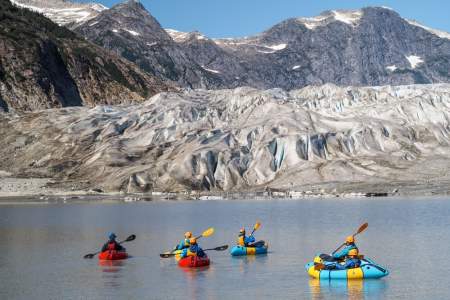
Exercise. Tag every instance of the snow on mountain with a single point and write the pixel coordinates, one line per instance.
(439, 33)
(350, 17)
(414, 60)
(62, 12)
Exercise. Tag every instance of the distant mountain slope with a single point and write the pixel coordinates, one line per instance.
(130, 31)
(372, 46)
(44, 65)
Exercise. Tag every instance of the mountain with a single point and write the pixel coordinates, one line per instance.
(372, 46)
(320, 138)
(130, 31)
(43, 65)
(62, 12)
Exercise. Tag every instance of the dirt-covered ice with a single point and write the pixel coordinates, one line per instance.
(336, 139)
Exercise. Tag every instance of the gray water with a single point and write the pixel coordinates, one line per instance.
(42, 246)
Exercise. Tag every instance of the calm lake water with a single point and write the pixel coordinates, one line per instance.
(42, 248)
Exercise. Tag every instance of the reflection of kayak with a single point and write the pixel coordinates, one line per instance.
(194, 261)
(112, 255)
(241, 250)
(368, 269)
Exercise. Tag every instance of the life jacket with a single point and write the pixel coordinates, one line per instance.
(241, 240)
(112, 246)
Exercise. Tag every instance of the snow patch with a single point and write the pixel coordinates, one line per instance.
(115, 30)
(277, 47)
(152, 44)
(132, 32)
(350, 17)
(295, 67)
(210, 70)
(63, 13)
(439, 33)
(414, 60)
(392, 68)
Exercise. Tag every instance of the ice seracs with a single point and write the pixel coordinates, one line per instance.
(414, 60)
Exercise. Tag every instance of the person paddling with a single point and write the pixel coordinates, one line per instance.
(193, 250)
(184, 243)
(245, 241)
(351, 261)
(349, 245)
(112, 244)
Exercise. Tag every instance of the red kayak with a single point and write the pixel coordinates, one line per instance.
(112, 255)
(194, 262)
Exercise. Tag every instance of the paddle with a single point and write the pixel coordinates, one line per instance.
(205, 233)
(256, 227)
(129, 239)
(360, 229)
(220, 248)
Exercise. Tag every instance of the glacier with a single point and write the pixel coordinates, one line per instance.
(325, 138)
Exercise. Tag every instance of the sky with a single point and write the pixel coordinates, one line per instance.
(237, 18)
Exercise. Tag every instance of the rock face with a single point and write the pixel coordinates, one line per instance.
(130, 31)
(43, 65)
(240, 139)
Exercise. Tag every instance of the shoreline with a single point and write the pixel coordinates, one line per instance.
(15, 190)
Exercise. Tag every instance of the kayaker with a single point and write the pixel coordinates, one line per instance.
(184, 243)
(351, 261)
(193, 250)
(112, 244)
(243, 240)
(349, 245)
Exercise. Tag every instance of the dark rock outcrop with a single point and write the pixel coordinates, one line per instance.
(43, 65)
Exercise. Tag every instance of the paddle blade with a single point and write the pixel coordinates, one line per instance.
(167, 255)
(208, 232)
(221, 248)
(130, 238)
(90, 255)
(362, 228)
(257, 225)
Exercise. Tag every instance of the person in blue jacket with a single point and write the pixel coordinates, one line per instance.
(351, 261)
(245, 241)
(185, 242)
(193, 250)
(349, 245)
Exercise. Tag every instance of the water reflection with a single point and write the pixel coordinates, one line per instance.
(351, 289)
(111, 272)
(195, 278)
(244, 261)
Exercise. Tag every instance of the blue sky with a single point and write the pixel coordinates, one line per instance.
(234, 18)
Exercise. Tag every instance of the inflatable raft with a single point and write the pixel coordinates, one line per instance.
(368, 269)
(241, 250)
(112, 255)
(194, 262)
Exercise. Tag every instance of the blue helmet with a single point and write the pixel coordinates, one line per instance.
(112, 236)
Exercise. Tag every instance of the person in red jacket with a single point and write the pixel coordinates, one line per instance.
(112, 244)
